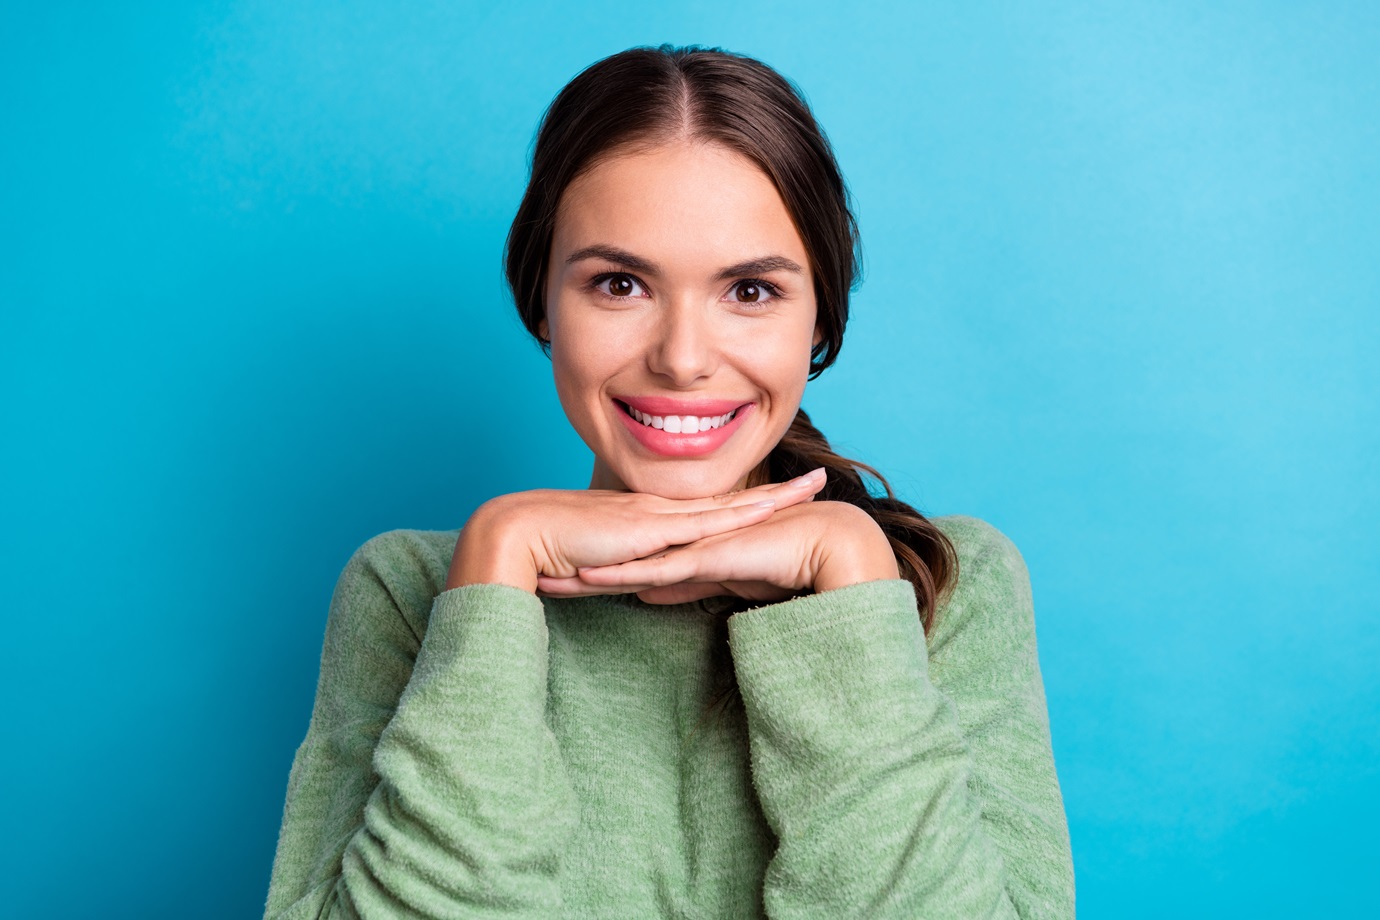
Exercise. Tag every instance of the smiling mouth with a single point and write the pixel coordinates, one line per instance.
(679, 424)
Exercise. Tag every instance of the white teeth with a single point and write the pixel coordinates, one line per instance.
(682, 424)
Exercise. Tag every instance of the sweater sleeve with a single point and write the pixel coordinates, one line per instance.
(428, 784)
(905, 778)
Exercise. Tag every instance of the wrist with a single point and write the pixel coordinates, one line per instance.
(865, 554)
(490, 551)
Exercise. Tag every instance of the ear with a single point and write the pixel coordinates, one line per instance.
(544, 330)
(819, 337)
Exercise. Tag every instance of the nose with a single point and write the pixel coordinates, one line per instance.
(684, 349)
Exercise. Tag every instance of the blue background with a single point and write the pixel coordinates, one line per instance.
(1121, 301)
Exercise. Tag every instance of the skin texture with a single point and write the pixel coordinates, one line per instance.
(674, 529)
(692, 210)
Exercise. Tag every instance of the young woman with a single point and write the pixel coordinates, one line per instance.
(725, 680)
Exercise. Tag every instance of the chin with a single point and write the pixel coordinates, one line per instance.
(697, 481)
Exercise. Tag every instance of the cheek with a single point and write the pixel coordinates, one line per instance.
(573, 376)
(584, 360)
(779, 366)
(568, 361)
(786, 358)
(790, 372)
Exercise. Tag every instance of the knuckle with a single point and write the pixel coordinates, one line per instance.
(699, 523)
(663, 569)
(647, 543)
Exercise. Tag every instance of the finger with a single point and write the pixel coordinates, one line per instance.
(778, 552)
(783, 493)
(696, 525)
(548, 586)
(688, 592)
(653, 571)
(683, 593)
(798, 490)
(688, 527)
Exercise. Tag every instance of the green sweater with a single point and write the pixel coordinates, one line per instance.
(481, 752)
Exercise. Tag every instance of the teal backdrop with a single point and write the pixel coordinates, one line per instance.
(1123, 275)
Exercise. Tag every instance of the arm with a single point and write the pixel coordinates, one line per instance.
(900, 783)
(428, 783)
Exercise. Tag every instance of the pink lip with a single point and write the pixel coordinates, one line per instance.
(683, 445)
(665, 405)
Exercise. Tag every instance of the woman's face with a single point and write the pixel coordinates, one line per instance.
(681, 313)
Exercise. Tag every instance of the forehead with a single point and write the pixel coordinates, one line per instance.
(688, 202)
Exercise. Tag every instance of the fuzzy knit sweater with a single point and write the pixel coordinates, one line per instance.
(481, 752)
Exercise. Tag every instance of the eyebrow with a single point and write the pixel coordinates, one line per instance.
(759, 266)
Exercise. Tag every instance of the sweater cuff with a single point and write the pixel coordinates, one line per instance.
(484, 606)
(846, 608)
(493, 634)
(855, 653)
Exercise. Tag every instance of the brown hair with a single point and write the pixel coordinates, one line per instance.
(645, 96)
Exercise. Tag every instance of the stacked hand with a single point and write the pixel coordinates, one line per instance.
(766, 543)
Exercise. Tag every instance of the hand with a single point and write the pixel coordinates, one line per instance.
(550, 533)
(816, 546)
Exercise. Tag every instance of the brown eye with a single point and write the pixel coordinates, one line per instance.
(622, 287)
(748, 291)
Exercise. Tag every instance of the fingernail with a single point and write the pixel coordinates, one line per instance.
(769, 503)
(810, 477)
